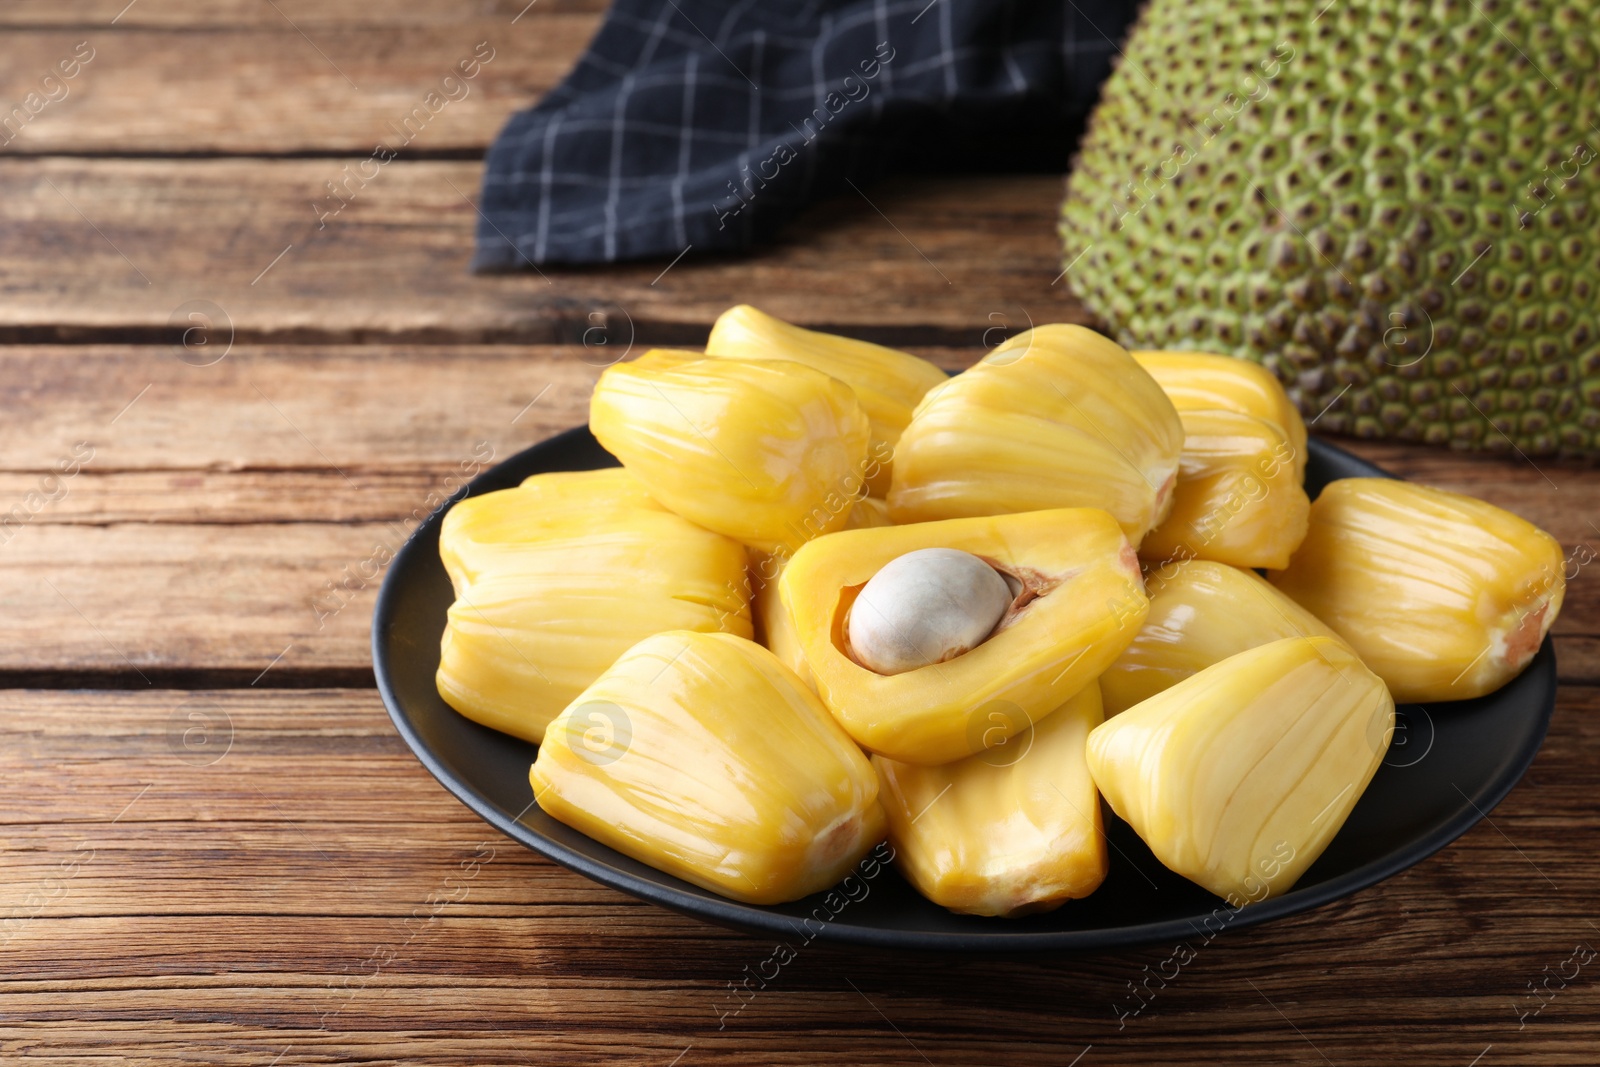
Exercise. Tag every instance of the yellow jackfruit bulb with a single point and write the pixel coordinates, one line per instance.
(704, 757)
(1197, 381)
(867, 513)
(1200, 613)
(1061, 597)
(1239, 497)
(1055, 417)
(887, 382)
(1013, 830)
(557, 578)
(774, 625)
(478, 531)
(1238, 777)
(769, 452)
(1444, 596)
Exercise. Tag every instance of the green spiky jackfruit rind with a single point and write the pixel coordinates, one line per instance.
(1393, 204)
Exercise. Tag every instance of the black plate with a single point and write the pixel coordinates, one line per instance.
(1447, 766)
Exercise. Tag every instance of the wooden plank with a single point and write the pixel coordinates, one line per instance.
(391, 414)
(115, 249)
(231, 14)
(279, 88)
(194, 602)
(232, 497)
(256, 908)
(147, 603)
(373, 410)
(840, 1032)
(225, 498)
(156, 780)
(276, 433)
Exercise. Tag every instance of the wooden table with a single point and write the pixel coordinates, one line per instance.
(216, 850)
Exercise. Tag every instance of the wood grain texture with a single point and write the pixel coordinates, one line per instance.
(113, 248)
(204, 530)
(255, 875)
(306, 892)
(161, 601)
(276, 88)
(88, 15)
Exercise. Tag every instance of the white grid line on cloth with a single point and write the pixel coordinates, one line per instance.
(853, 20)
(880, 22)
(614, 188)
(757, 50)
(685, 146)
(545, 173)
(818, 79)
(661, 214)
(753, 124)
(604, 65)
(633, 125)
(648, 55)
(561, 215)
(692, 40)
(692, 43)
(584, 179)
(707, 80)
(731, 19)
(1018, 82)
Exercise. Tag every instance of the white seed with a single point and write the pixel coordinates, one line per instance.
(926, 607)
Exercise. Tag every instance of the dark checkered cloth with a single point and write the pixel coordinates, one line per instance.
(709, 124)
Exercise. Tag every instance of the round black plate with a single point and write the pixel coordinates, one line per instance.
(1447, 766)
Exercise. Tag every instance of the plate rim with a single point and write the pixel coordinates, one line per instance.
(704, 905)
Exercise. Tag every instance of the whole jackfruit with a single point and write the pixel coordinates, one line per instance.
(1389, 203)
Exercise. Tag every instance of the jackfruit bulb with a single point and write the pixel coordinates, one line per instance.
(558, 577)
(1239, 776)
(1444, 596)
(769, 452)
(1200, 613)
(1390, 205)
(1056, 417)
(703, 756)
(887, 382)
(1013, 830)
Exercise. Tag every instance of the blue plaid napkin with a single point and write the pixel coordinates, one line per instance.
(706, 125)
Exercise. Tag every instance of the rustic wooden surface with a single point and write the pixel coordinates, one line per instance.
(291, 892)
(113, 247)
